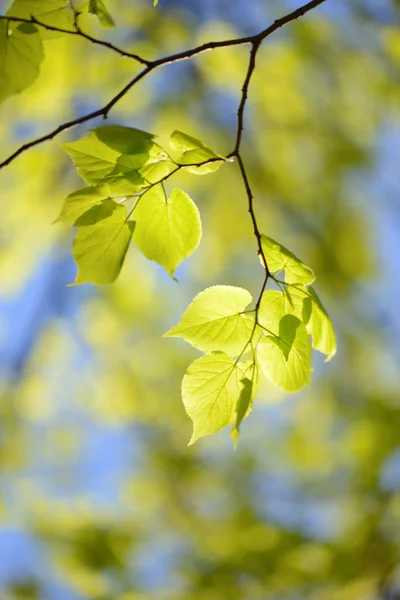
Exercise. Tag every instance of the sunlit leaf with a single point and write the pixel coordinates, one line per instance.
(215, 320)
(320, 326)
(304, 304)
(275, 305)
(247, 394)
(56, 13)
(285, 357)
(117, 159)
(193, 152)
(167, 230)
(280, 258)
(211, 389)
(21, 54)
(78, 203)
(98, 8)
(99, 250)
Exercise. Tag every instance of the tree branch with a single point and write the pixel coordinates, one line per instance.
(79, 33)
(255, 40)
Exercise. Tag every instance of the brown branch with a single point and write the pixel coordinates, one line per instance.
(79, 33)
(257, 232)
(151, 66)
(236, 153)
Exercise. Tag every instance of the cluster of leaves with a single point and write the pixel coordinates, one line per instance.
(126, 167)
(218, 388)
(125, 170)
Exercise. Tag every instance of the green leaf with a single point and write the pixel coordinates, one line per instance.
(249, 390)
(78, 203)
(275, 305)
(211, 390)
(215, 320)
(319, 326)
(56, 13)
(99, 250)
(280, 258)
(193, 152)
(285, 357)
(167, 230)
(118, 159)
(21, 54)
(155, 2)
(98, 8)
(304, 304)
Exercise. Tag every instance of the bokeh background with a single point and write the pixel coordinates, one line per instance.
(100, 496)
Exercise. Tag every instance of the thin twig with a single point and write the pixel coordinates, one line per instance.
(256, 229)
(151, 66)
(79, 33)
(236, 153)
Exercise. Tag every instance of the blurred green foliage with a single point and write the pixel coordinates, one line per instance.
(303, 508)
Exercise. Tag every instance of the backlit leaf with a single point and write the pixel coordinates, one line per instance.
(320, 327)
(78, 203)
(99, 250)
(117, 159)
(215, 320)
(285, 358)
(249, 390)
(167, 230)
(211, 389)
(98, 8)
(193, 152)
(280, 258)
(56, 13)
(304, 304)
(21, 54)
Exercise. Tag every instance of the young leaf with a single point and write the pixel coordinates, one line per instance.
(56, 13)
(78, 203)
(280, 258)
(21, 54)
(211, 389)
(319, 326)
(116, 159)
(98, 8)
(275, 305)
(167, 230)
(285, 357)
(304, 304)
(99, 250)
(215, 320)
(193, 151)
(249, 390)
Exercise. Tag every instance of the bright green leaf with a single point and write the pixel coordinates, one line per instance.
(280, 258)
(215, 320)
(285, 358)
(167, 230)
(193, 152)
(249, 390)
(78, 203)
(99, 250)
(275, 305)
(304, 304)
(98, 8)
(211, 389)
(56, 13)
(319, 326)
(21, 54)
(118, 159)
